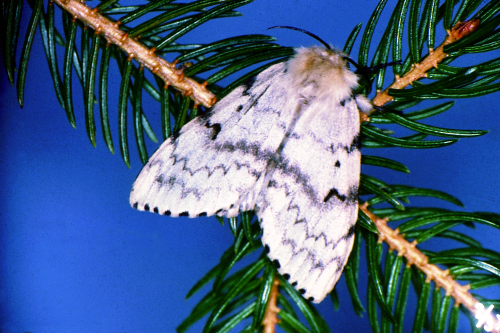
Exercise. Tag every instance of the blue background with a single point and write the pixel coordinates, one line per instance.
(76, 257)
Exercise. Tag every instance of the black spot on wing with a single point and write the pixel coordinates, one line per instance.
(239, 108)
(276, 263)
(248, 85)
(216, 128)
(202, 214)
(267, 249)
(184, 214)
(302, 291)
(350, 232)
(345, 100)
(167, 212)
(350, 198)
(146, 207)
(175, 135)
(355, 144)
(337, 164)
(294, 284)
(311, 299)
(286, 276)
(155, 210)
(334, 193)
(135, 205)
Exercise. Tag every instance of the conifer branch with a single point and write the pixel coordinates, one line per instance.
(392, 237)
(419, 70)
(441, 278)
(146, 57)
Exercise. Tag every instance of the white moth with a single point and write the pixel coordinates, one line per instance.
(286, 145)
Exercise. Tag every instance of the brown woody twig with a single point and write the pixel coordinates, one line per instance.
(271, 316)
(419, 70)
(146, 57)
(413, 256)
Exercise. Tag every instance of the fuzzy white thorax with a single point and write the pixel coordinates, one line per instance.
(326, 68)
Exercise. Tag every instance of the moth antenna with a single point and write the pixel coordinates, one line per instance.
(303, 31)
(366, 71)
(358, 67)
(386, 109)
(387, 64)
(363, 71)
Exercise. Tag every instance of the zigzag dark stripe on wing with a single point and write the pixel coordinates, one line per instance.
(302, 179)
(317, 263)
(350, 199)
